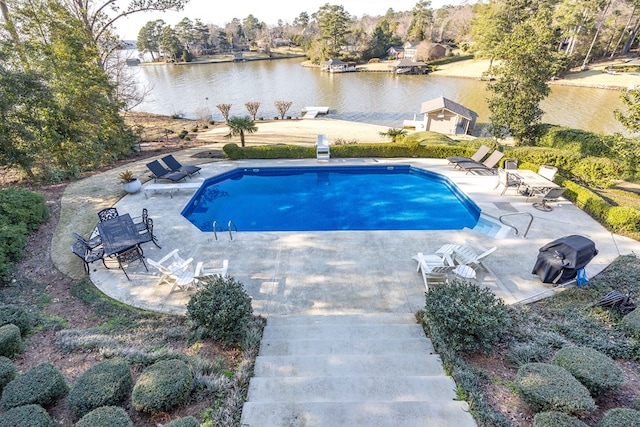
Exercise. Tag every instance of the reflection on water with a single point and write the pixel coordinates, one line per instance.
(379, 98)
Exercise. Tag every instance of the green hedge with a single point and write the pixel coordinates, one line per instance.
(17, 315)
(7, 372)
(630, 324)
(21, 212)
(26, 416)
(620, 417)
(595, 370)
(104, 384)
(162, 386)
(107, 416)
(579, 141)
(10, 341)
(556, 419)
(546, 387)
(184, 422)
(42, 384)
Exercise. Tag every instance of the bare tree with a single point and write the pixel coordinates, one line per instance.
(224, 109)
(283, 107)
(252, 108)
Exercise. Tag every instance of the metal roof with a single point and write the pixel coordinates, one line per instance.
(447, 104)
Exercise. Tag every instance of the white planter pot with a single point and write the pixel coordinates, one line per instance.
(132, 186)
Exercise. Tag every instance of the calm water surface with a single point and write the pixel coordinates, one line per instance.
(378, 98)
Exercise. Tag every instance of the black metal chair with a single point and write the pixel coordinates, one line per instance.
(147, 235)
(92, 243)
(175, 166)
(107, 214)
(551, 196)
(128, 256)
(142, 225)
(87, 254)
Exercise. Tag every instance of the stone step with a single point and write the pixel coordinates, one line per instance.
(357, 414)
(311, 347)
(352, 389)
(342, 319)
(348, 365)
(342, 332)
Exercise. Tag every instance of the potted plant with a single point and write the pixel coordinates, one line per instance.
(130, 183)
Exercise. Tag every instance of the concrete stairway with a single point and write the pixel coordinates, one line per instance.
(369, 370)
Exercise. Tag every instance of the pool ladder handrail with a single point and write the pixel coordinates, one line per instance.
(216, 224)
(515, 229)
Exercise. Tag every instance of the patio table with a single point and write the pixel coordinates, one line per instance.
(118, 234)
(536, 183)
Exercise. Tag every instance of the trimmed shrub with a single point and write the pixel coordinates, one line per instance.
(222, 308)
(104, 384)
(597, 171)
(620, 417)
(107, 416)
(630, 323)
(162, 386)
(546, 387)
(561, 159)
(579, 141)
(586, 200)
(42, 384)
(556, 419)
(21, 206)
(596, 371)
(622, 218)
(184, 422)
(466, 317)
(26, 416)
(7, 372)
(17, 315)
(10, 341)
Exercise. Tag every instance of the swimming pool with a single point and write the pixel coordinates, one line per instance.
(331, 198)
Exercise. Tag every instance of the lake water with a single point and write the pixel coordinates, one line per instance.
(193, 91)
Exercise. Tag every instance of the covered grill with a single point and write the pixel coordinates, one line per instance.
(559, 261)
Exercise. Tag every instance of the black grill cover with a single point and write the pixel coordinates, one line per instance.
(560, 260)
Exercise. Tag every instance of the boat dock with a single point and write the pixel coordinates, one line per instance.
(312, 112)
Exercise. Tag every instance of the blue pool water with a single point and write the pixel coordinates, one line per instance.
(323, 198)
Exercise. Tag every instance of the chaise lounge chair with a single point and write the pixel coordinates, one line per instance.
(484, 168)
(159, 172)
(477, 156)
(471, 254)
(175, 166)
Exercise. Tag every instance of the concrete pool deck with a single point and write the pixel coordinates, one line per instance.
(346, 272)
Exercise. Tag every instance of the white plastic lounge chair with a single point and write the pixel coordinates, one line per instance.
(175, 270)
(323, 152)
(433, 269)
(477, 156)
(472, 254)
(206, 272)
(484, 168)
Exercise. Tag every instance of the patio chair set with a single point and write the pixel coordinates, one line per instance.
(174, 170)
(452, 260)
(524, 182)
(118, 237)
(179, 272)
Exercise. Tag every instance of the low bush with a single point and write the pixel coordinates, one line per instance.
(184, 422)
(556, 419)
(466, 317)
(579, 141)
(562, 159)
(21, 206)
(546, 387)
(26, 416)
(17, 315)
(162, 386)
(596, 371)
(597, 171)
(620, 417)
(7, 372)
(42, 384)
(10, 341)
(222, 308)
(107, 416)
(630, 324)
(622, 218)
(104, 384)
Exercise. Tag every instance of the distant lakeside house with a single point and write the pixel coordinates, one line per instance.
(335, 65)
(444, 116)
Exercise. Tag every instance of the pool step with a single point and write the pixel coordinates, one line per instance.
(373, 370)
